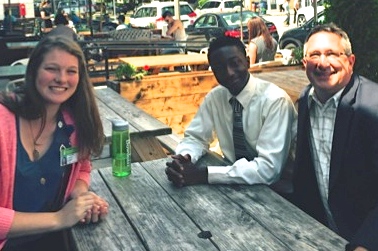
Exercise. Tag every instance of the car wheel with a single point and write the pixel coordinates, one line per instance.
(301, 20)
(212, 39)
(290, 46)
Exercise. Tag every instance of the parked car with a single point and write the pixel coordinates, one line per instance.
(78, 7)
(215, 6)
(295, 37)
(212, 25)
(306, 13)
(151, 14)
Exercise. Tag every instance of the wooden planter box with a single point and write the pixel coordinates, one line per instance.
(174, 98)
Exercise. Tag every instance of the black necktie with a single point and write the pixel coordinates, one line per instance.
(237, 131)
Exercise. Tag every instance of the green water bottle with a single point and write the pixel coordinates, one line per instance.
(121, 150)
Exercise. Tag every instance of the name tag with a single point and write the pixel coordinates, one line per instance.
(68, 155)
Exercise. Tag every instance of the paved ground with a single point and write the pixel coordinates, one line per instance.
(278, 19)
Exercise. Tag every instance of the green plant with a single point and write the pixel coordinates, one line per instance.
(130, 72)
(297, 54)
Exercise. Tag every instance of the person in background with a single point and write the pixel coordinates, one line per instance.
(175, 27)
(336, 167)
(62, 27)
(176, 32)
(286, 6)
(121, 23)
(280, 5)
(49, 130)
(108, 25)
(8, 21)
(297, 5)
(75, 19)
(262, 46)
(45, 12)
(267, 118)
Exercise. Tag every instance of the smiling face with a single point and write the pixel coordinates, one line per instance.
(57, 77)
(327, 66)
(230, 67)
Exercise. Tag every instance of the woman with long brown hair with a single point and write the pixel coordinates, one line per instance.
(262, 46)
(50, 127)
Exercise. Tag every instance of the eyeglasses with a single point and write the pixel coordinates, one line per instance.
(331, 56)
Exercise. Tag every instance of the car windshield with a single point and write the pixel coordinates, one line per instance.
(146, 12)
(184, 9)
(233, 19)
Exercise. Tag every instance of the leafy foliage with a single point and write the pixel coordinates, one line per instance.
(359, 19)
(201, 2)
(130, 72)
(297, 54)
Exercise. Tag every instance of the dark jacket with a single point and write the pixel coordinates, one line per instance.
(353, 181)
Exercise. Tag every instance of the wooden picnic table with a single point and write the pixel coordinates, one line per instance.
(194, 60)
(293, 80)
(12, 72)
(148, 213)
(143, 127)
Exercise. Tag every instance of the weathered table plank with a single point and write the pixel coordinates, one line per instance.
(260, 205)
(143, 127)
(140, 120)
(232, 228)
(193, 60)
(107, 115)
(12, 72)
(287, 222)
(155, 217)
(292, 81)
(163, 217)
(112, 234)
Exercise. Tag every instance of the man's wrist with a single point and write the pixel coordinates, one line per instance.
(204, 174)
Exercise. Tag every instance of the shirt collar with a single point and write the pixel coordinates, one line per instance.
(248, 91)
(335, 99)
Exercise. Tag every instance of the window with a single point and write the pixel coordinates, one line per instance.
(212, 21)
(185, 10)
(200, 22)
(231, 4)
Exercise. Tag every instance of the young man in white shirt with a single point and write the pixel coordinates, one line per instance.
(267, 117)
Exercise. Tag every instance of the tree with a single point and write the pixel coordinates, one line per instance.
(359, 19)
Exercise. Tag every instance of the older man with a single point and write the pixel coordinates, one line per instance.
(336, 172)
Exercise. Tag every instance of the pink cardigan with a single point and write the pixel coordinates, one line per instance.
(8, 143)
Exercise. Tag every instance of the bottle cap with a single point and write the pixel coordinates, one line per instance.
(120, 125)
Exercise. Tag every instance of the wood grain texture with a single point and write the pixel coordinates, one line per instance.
(157, 219)
(281, 218)
(232, 228)
(239, 217)
(112, 234)
(139, 119)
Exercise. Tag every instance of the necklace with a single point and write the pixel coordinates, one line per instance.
(35, 144)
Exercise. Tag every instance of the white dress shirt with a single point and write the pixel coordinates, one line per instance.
(268, 115)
